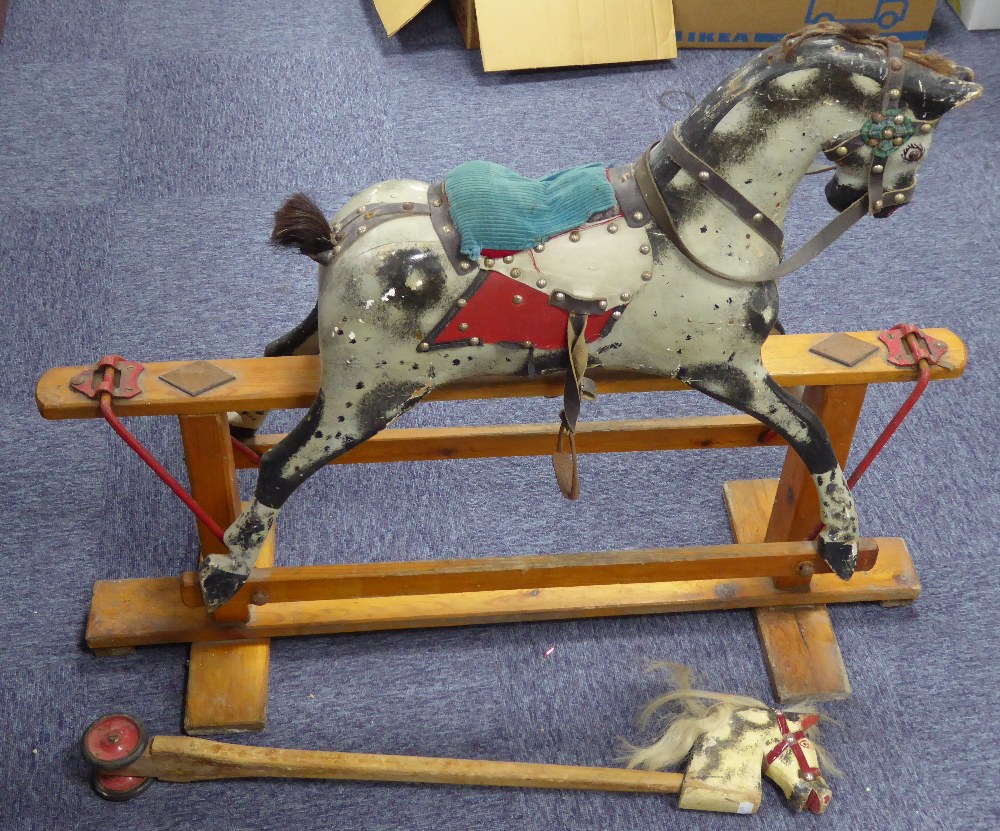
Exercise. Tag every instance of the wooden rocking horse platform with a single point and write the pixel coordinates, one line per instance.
(771, 567)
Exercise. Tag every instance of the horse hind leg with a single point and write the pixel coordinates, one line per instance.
(754, 392)
(302, 340)
(330, 428)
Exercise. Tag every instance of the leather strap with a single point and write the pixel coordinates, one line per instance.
(577, 388)
(715, 184)
(822, 240)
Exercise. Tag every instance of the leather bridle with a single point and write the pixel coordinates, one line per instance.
(884, 133)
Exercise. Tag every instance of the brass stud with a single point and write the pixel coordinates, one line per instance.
(612, 228)
(423, 347)
(704, 176)
(758, 218)
(509, 259)
(446, 229)
(466, 265)
(489, 262)
(574, 236)
(925, 128)
(625, 297)
(527, 344)
(337, 249)
(541, 283)
(474, 341)
(336, 226)
(558, 296)
(437, 203)
(338, 236)
(878, 205)
(647, 276)
(897, 141)
(896, 64)
(369, 214)
(626, 177)
(461, 302)
(540, 247)
(638, 216)
(407, 206)
(842, 151)
(894, 93)
(873, 142)
(463, 327)
(517, 300)
(361, 229)
(602, 304)
(515, 272)
(888, 132)
(643, 249)
(617, 313)
(899, 119)
(361, 210)
(877, 168)
(899, 198)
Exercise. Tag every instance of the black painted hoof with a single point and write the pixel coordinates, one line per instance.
(842, 557)
(243, 434)
(218, 586)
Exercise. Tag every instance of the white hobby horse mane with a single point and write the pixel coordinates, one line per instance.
(697, 713)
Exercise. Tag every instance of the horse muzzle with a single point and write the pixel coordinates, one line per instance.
(841, 197)
(813, 796)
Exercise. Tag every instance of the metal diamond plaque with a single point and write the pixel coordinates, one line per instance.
(197, 377)
(844, 349)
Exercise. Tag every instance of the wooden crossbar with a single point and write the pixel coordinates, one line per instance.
(286, 383)
(343, 582)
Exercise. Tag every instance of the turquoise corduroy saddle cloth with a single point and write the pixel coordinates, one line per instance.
(495, 208)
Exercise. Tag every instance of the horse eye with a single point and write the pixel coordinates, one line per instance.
(913, 153)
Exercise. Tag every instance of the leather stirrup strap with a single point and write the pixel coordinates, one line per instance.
(658, 210)
(577, 388)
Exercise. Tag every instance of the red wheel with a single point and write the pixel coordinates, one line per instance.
(117, 788)
(113, 741)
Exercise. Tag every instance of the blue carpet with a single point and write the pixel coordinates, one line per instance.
(143, 147)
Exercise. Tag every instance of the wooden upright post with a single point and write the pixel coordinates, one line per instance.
(227, 682)
(800, 647)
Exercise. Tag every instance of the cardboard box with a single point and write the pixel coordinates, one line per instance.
(529, 34)
(978, 14)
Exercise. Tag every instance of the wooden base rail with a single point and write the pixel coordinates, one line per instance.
(345, 582)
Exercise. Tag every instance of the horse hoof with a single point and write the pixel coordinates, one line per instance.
(842, 557)
(217, 584)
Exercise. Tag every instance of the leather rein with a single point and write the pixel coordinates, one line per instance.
(884, 132)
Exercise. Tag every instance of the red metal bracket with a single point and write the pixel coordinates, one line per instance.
(112, 374)
(907, 351)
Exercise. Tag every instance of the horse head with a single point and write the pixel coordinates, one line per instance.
(730, 743)
(906, 92)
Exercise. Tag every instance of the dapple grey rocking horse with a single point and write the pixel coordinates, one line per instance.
(669, 266)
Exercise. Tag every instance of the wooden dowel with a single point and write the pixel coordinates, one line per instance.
(187, 759)
(415, 444)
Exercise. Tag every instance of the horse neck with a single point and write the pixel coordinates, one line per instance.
(731, 755)
(761, 131)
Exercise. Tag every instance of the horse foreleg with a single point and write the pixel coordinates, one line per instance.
(756, 393)
(302, 340)
(327, 430)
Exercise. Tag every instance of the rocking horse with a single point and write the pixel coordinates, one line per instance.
(667, 266)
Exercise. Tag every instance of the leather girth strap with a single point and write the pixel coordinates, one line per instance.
(577, 389)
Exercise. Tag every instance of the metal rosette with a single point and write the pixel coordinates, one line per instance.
(884, 134)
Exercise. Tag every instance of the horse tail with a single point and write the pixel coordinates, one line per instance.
(299, 223)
